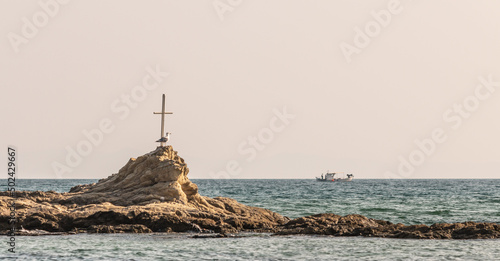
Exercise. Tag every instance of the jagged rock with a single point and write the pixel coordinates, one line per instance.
(81, 188)
(124, 228)
(158, 176)
(224, 216)
(357, 225)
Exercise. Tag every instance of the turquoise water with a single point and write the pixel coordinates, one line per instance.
(405, 201)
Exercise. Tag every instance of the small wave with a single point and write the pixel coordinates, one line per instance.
(439, 212)
(378, 209)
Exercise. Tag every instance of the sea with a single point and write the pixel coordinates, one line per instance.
(408, 201)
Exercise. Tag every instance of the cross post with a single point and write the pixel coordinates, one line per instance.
(163, 139)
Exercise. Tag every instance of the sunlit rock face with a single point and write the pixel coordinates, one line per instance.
(158, 176)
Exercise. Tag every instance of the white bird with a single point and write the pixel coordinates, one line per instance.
(165, 139)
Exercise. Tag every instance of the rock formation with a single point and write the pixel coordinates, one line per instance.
(153, 194)
(149, 194)
(158, 176)
(357, 225)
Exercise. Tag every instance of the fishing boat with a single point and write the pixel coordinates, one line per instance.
(334, 177)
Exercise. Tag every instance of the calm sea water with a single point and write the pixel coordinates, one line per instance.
(404, 201)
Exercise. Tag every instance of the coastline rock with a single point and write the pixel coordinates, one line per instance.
(149, 194)
(357, 225)
(220, 215)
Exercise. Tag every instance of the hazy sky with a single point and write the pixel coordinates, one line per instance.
(259, 89)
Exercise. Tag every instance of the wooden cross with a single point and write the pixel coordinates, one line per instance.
(163, 138)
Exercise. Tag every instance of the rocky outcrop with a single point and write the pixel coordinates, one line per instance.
(159, 176)
(220, 215)
(149, 194)
(153, 194)
(357, 225)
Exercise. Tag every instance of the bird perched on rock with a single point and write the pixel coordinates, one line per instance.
(164, 139)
